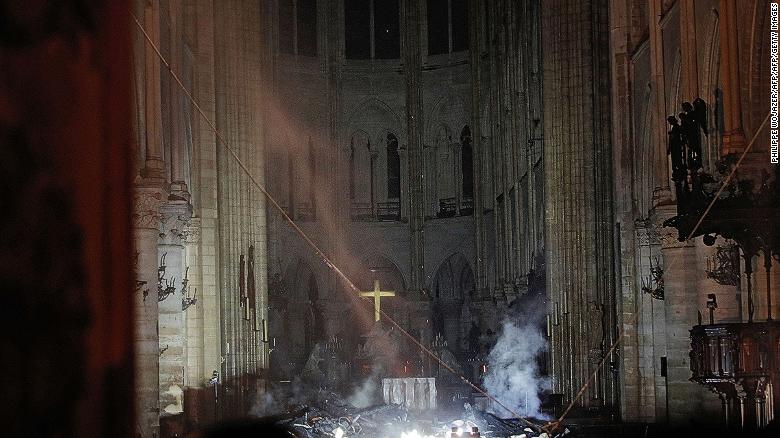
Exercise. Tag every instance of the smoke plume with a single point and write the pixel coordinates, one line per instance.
(365, 394)
(513, 373)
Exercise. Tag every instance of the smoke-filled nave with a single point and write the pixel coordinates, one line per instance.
(391, 218)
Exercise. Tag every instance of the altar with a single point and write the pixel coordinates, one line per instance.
(414, 393)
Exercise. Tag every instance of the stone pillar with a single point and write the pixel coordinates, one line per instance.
(578, 221)
(174, 218)
(206, 199)
(178, 138)
(733, 134)
(412, 62)
(193, 316)
(685, 399)
(658, 121)
(241, 221)
(475, 32)
(688, 50)
(154, 167)
(146, 220)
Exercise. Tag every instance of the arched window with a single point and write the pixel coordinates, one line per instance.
(393, 168)
(447, 26)
(466, 163)
(372, 29)
(298, 27)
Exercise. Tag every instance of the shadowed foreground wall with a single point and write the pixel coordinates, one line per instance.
(65, 270)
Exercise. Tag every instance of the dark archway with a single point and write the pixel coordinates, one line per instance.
(453, 282)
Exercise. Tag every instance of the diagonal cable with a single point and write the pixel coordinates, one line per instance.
(554, 424)
(309, 241)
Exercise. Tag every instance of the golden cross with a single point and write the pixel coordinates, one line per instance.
(376, 293)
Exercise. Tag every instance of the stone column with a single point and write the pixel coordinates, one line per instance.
(658, 121)
(146, 221)
(733, 134)
(174, 219)
(688, 50)
(475, 31)
(154, 167)
(193, 317)
(239, 99)
(685, 398)
(578, 193)
(178, 138)
(414, 130)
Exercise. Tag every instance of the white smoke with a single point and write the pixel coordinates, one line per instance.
(365, 394)
(513, 374)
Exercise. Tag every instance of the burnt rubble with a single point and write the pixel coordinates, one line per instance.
(329, 415)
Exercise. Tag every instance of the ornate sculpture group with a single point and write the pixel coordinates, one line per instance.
(685, 140)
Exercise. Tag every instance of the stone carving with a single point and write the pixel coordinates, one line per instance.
(190, 232)
(146, 208)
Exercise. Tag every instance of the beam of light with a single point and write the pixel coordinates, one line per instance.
(328, 262)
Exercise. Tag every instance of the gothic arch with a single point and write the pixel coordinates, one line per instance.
(458, 268)
(303, 309)
(449, 110)
(377, 266)
(452, 284)
(375, 117)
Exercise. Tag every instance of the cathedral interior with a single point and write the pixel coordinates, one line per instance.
(389, 218)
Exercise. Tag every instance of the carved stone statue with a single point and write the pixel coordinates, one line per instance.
(694, 119)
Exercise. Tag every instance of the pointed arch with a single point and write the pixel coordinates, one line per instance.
(452, 284)
(375, 117)
(303, 310)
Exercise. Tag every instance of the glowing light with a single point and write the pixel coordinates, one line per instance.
(338, 432)
(415, 434)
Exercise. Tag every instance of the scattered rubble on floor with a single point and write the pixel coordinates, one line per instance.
(334, 417)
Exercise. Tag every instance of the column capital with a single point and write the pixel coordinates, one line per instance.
(146, 207)
(666, 236)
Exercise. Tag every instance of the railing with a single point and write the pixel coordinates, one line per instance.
(448, 207)
(388, 211)
(466, 206)
(361, 211)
